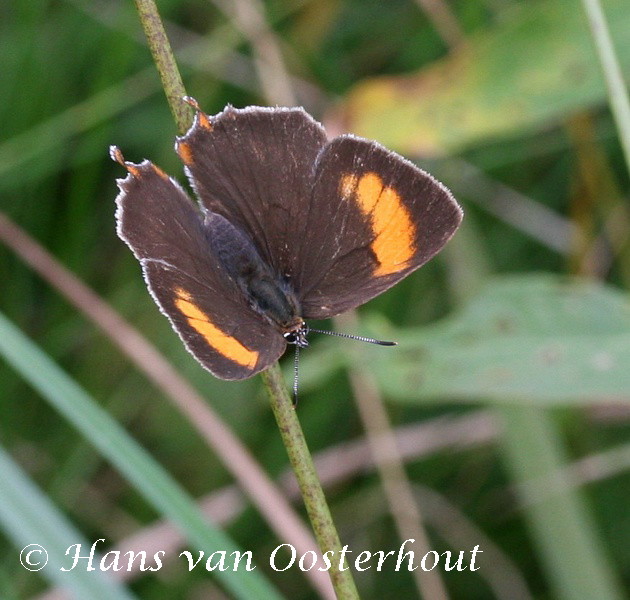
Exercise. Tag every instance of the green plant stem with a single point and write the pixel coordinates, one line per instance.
(165, 62)
(281, 404)
(558, 515)
(310, 486)
(617, 91)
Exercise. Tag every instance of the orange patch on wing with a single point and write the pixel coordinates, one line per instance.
(395, 232)
(133, 170)
(159, 171)
(117, 155)
(185, 153)
(204, 121)
(226, 345)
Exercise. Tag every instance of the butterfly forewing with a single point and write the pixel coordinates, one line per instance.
(254, 167)
(374, 218)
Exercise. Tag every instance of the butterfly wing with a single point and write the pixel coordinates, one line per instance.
(254, 166)
(339, 221)
(374, 218)
(166, 233)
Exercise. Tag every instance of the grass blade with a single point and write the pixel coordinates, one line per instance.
(67, 397)
(562, 528)
(28, 517)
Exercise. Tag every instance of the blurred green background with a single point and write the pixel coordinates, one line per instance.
(509, 391)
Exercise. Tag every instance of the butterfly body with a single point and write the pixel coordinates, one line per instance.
(266, 292)
(290, 226)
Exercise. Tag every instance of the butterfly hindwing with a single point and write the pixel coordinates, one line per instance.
(187, 279)
(213, 328)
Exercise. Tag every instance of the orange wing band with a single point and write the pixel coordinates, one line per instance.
(394, 231)
(226, 345)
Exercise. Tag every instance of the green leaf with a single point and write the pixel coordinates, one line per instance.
(535, 68)
(28, 517)
(563, 529)
(539, 338)
(67, 397)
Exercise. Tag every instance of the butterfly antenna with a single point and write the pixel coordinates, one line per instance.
(296, 362)
(359, 338)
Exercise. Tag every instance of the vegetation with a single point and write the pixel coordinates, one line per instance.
(508, 393)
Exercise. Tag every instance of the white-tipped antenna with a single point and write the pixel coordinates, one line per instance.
(359, 338)
(296, 371)
(306, 330)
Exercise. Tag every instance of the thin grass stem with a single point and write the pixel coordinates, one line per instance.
(310, 486)
(282, 406)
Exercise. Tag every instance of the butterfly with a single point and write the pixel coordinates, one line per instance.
(289, 226)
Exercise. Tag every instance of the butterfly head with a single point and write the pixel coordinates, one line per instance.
(297, 335)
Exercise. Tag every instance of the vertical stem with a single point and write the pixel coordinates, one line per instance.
(310, 486)
(563, 526)
(165, 62)
(617, 90)
(290, 430)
